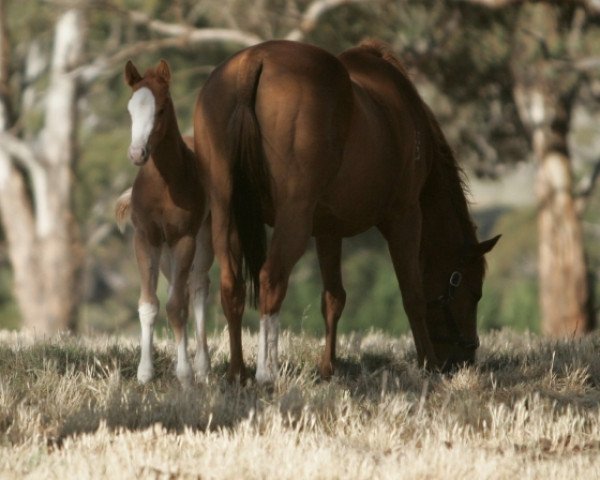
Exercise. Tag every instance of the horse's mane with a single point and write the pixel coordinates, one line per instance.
(446, 172)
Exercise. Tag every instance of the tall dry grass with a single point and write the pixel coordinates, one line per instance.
(71, 408)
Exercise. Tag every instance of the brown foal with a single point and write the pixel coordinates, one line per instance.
(170, 214)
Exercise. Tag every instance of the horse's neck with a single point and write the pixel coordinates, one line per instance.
(446, 228)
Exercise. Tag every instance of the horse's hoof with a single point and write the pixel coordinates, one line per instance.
(145, 374)
(326, 371)
(237, 376)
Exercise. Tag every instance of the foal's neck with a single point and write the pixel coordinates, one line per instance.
(171, 155)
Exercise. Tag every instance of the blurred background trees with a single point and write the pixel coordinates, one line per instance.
(515, 84)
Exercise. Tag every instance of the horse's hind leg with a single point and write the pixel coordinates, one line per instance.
(403, 234)
(148, 258)
(181, 255)
(199, 285)
(333, 299)
(291, 233)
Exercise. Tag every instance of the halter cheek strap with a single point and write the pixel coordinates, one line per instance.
(455, 336)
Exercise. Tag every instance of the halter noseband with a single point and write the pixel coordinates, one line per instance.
(455, 336)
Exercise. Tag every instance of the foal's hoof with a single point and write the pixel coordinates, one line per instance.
(184, 375)
(201, 366)
(145, 373)
(267, 375)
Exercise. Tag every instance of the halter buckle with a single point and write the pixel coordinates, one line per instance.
(455, 279)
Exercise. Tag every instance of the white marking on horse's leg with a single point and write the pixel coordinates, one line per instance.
(147, 313)
(200, 284)
(141, 106)
(200, 297)
(177, 315)
(267, 366)
(183, 370)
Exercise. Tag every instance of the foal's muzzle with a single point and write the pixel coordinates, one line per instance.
(138, 155)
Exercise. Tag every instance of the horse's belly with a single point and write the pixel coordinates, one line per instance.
(353, 205)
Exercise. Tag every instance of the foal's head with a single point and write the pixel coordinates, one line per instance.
(150, 108)
(452, 315)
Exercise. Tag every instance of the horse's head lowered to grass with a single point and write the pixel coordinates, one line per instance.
(452, 315)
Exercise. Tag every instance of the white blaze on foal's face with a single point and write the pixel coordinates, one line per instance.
(142, 107)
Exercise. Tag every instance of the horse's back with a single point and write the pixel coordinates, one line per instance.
(335, 130)
(381, 166)
(302, 99)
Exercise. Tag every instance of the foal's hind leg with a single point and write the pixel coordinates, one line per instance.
(403, 235)
(329, 250)
(291, 233)
(199, 285)
(182, 255)
(148, 258)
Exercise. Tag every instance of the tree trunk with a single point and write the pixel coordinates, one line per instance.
(35, 190)
(562, 268)
(544, 92)
(60, 248)
(563, 282)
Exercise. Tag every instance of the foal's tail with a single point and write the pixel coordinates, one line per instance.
(250, 176)
(123, 209)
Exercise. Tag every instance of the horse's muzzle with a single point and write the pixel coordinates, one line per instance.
(138, 155)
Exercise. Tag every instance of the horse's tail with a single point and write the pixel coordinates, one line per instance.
(250, 177)
(123, 209)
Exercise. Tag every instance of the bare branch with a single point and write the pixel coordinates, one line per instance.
(194, 35)
(178, 35)
(592, 6)
(313, 14)
(19, 150)
(586, 187)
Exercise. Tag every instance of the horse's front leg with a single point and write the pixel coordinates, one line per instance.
(403, 234)
(148, 258)
(181, 256)
(199, 285)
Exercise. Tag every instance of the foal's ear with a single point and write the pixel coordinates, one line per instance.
(484, 247)
(132, 76)
(163, 71)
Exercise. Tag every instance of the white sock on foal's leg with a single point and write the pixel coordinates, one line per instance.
(267, 365)
(183, 370)
(147, 313)
(202, 358)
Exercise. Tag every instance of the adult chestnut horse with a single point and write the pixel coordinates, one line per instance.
(169, 211)
(317, 145)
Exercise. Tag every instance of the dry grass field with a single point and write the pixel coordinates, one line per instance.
(71, 409)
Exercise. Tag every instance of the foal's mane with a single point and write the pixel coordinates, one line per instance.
(446, 173)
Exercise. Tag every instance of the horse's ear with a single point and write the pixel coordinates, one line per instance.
(163, 71)
(132, 76)
(480, 249)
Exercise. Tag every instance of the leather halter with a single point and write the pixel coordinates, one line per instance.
(455, 336)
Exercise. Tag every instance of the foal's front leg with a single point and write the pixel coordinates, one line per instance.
(148, 258)
(181, 256)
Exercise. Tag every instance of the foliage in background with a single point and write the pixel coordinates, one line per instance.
(461, 73)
